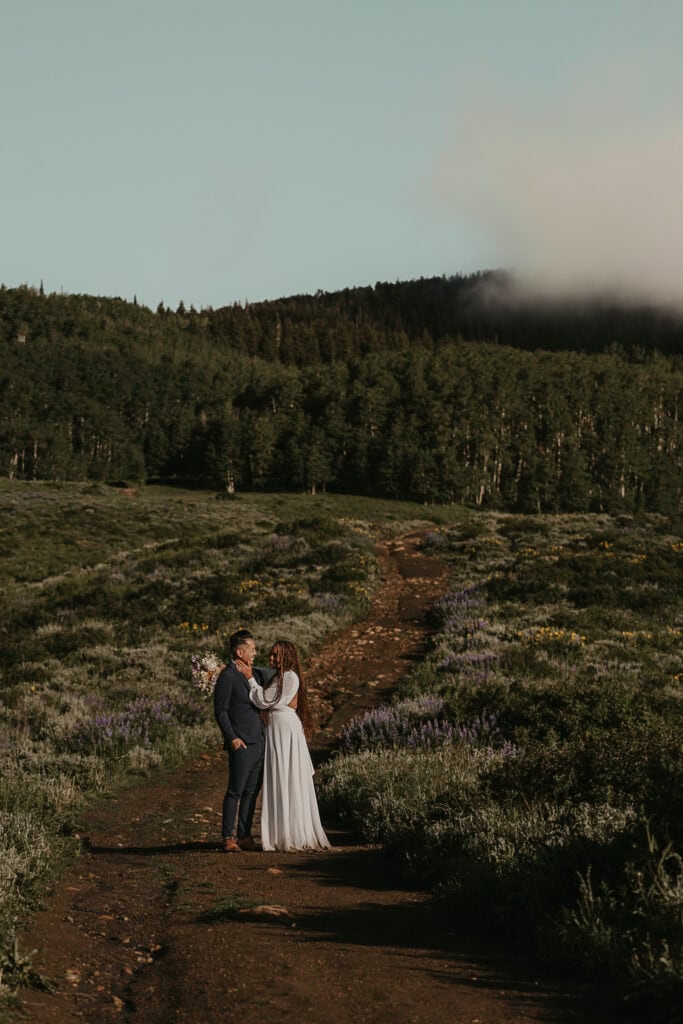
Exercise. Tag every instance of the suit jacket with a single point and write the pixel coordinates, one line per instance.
(235, 714)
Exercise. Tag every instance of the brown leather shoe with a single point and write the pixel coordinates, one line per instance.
(248, 843)
(231, 846)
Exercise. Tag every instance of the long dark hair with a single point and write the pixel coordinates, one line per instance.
(287, 659)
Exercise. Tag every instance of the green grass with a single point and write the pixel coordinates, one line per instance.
(561, 822)
(105, 594)
(229, 908)
(50, 528)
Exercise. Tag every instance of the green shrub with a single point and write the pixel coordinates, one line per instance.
(633, 924)
(566, 631)
(516, 866)
(389, 793)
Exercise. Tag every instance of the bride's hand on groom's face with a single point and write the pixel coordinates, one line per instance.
(243, 667)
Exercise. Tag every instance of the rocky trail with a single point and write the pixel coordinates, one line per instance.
(134, 931)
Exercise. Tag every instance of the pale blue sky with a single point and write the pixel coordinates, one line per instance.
(217, 151)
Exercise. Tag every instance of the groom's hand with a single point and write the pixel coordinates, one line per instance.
(237, 744)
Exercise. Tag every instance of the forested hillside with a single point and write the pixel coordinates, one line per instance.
(436, 390)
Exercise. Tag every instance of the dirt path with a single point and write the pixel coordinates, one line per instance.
(124, 938)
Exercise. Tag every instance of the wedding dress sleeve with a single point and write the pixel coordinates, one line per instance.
(259, 694)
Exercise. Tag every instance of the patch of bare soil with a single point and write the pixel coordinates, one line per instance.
(128, 936)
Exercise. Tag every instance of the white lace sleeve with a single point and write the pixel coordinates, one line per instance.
(260, 695)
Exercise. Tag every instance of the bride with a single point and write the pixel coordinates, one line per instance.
(289, 811)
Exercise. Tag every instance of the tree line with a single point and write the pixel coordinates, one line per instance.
(373, 400)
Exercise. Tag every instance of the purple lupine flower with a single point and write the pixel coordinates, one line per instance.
(452, 605)
(466, 661)
(326, 602)
(143, 720)
(389, 725)
(417, 724)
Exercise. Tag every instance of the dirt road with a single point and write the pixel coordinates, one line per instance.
(130, 934)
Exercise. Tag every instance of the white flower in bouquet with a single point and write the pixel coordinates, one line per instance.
(205, 670)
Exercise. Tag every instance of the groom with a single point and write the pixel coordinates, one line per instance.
(243, 738)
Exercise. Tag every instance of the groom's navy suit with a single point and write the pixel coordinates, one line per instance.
(238, 718)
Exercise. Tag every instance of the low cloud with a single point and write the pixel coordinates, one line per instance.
(577, 191)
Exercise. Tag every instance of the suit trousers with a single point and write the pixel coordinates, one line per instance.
(245, 777)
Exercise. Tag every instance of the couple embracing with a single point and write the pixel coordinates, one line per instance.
(274, 755)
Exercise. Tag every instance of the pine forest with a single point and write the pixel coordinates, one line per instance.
(438, 390)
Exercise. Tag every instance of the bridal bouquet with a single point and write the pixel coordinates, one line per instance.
(205, 669)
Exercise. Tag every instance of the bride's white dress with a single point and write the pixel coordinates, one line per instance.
(290, 819)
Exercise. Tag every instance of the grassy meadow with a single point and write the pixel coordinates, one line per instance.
(105, 594)
(530, 769)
